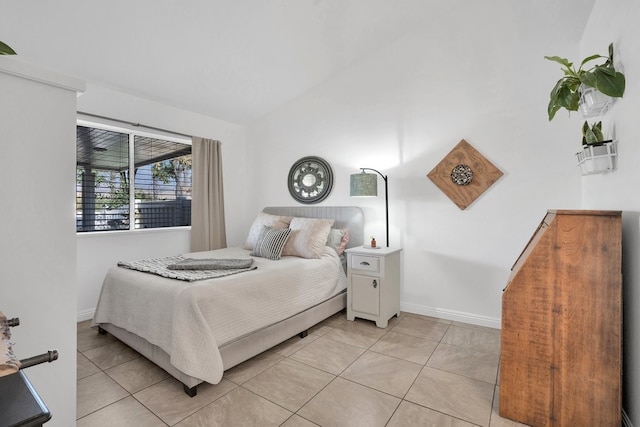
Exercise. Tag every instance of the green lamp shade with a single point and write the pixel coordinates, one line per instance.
(364, 184)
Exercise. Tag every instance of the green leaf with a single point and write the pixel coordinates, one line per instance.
(588, 79)
(559, 84)
(552, 109)
(606, 70)
(574, 101)
(590, 58)
(561, 61)
(567, 98)
(564, 95)
(573, 83)
(6, 50)
(590, 137)
(597, 132)
(592, 134)
(611, 52)
(612, 85)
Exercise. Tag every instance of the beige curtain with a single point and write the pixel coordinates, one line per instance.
(207, 204)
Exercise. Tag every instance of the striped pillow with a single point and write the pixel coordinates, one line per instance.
(275, 221)
(270, 242)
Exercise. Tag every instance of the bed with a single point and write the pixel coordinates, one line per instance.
(195, 330)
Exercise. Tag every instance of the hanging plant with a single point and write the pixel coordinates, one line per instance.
(602, 77)
(592, 134)
(6, 50)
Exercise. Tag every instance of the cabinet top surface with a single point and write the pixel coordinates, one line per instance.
(379, 250)
(584, 212)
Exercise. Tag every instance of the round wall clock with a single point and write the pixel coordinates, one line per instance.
(310, 180)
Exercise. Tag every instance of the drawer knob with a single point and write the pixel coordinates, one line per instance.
(375, 283)
(364, 263)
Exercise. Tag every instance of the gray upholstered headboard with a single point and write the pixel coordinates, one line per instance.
(350, 217)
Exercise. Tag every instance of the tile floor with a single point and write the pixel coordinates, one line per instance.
(419, 371)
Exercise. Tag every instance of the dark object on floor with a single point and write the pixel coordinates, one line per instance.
(20, 404)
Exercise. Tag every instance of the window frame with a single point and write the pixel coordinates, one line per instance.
(132, 131)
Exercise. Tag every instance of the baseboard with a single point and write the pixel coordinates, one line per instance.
(457, 316)
(626, 422)
(85, 315)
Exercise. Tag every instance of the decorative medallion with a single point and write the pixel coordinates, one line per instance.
(461, 175)
(464, 174)
(310, 180)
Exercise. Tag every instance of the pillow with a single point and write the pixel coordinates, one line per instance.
(274, 221)
(308, 237)
(271, 242)
(338, 239)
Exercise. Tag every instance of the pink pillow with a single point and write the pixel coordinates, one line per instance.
(308, 237)
(264, 219)
(338, 239)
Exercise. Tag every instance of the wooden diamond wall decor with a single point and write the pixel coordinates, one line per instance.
(464, 174)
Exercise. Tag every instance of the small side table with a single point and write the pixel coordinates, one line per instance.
(373, 284)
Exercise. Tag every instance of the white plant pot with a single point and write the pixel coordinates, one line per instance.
(597, 158)
(593, 103)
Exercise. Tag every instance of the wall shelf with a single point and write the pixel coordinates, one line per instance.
(597, 158)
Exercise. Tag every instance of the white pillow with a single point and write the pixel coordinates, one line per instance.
(273, 221)
(308, 237)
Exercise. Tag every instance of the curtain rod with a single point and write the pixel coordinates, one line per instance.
(134, 124)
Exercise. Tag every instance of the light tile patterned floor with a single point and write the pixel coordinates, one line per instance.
(419, 371)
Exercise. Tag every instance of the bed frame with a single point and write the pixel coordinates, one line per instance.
(256, 342)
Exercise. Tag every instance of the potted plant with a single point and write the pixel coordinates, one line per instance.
(6, 50)
(602, 77)
(592, 134)
(598, 155)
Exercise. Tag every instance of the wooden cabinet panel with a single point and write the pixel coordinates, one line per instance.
(561, 351)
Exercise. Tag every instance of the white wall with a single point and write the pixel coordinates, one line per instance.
(37, 231)
(401, 110)
(617, 21)
(97, 252)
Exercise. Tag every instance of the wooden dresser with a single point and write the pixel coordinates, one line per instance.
(561, 351)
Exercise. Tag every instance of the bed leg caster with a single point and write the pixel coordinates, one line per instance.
(303, 334)
(101, 331)
(191, 392)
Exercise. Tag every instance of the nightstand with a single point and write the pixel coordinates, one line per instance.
(373, 284)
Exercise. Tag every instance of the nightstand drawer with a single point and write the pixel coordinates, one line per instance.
(365, 263)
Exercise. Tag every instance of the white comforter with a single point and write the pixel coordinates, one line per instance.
(189, 320)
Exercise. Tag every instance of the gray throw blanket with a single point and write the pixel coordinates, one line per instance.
(211, 264)
(160, 267)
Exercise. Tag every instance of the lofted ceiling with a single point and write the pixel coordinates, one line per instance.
(232, 59)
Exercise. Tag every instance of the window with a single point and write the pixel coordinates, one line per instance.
(116, 171)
